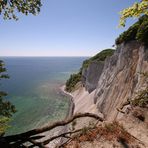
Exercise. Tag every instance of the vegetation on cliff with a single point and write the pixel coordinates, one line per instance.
(141, 98)
(101, 56)
(72, 81)
(75, 78)
(138, 31)
(136, 10)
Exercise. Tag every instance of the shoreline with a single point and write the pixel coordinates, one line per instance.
(71, 101)
(69, 112)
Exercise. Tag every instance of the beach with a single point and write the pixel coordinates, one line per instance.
(71, 103)
(60, 130)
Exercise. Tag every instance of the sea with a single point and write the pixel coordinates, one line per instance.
(33, 88)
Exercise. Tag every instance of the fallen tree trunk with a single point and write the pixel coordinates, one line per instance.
(28, 136)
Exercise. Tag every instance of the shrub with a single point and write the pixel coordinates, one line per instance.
(138, 31)
(3, 124)
(141, 98)
(101, 56)
(142, 33)
(72, 81)
(128, 35)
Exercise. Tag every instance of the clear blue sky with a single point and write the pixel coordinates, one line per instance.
(64, 28)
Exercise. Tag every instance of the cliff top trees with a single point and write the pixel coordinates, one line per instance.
(136, 10)
(138, 32)
(9, 8)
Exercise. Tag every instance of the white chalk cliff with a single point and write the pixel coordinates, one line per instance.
(119, 80)
(108, 83)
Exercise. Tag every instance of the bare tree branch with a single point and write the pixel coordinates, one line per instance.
(61, 135)
(29, 136)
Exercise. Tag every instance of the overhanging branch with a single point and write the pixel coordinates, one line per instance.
(30, 135)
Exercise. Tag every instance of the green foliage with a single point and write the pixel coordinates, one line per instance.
(142, 33)
(72, 81)
(6, 108)
(101, 56)
(141, 99)
(3, 124)
(138, 31)
(8, 8)
(136, 10)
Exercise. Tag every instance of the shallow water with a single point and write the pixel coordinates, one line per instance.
(33, 88)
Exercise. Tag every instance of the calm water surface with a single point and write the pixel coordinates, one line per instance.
(33, 89)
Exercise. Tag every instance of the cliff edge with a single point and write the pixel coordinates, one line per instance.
(121, 78)
(116, 88)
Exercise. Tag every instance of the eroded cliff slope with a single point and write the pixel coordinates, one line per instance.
(116, 88)
(121, 78)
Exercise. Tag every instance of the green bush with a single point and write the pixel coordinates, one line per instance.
(141, 99)
(142, 34)
(101, 56)
(4, 124)
(72, 81)
(138, 31)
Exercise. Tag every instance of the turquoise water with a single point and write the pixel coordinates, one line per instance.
(33, 88)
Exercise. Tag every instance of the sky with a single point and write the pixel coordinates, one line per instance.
(64, 28)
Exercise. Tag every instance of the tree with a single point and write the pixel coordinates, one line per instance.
(6, 108)
(136, 10)
(9, 8)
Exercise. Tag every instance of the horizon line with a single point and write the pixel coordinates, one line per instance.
(44, 56)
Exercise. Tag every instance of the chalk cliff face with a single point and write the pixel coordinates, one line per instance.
(91, 75)
(105, 89)
(110, 83)
(121, 78)
(107, 84)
